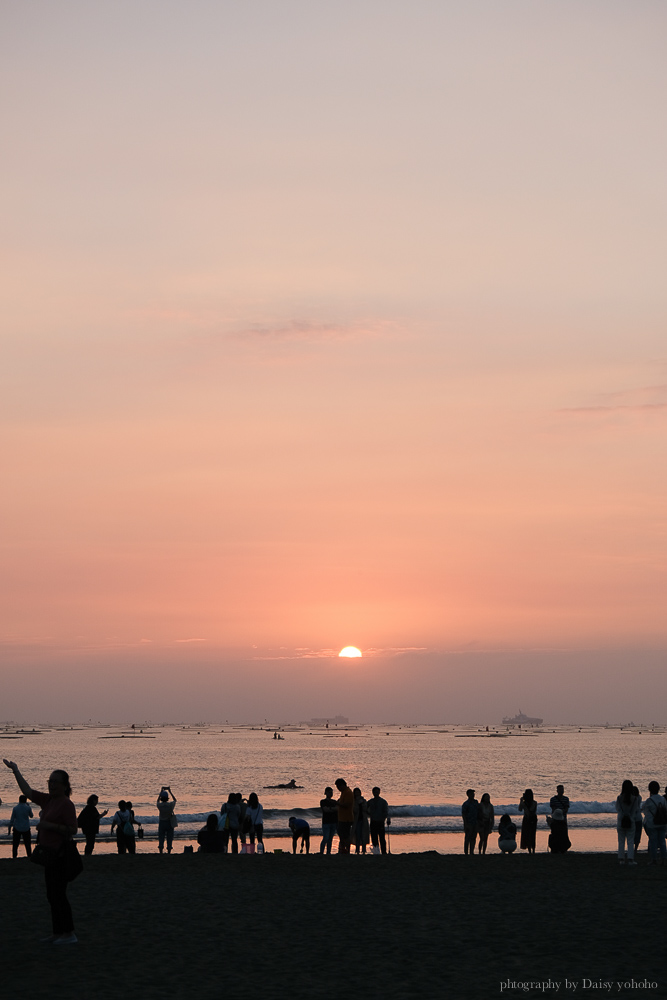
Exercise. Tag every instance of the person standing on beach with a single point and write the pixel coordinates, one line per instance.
(528, 806)
(244, 823)
(19, 826)
(628, 814)
(255, 819)
(360, 821)
(486, 819)
(89, 822)
(469, 812)
(345, 804)
(329, 820)
(122, 824)
(378, 812)
(57, 825)
(638, 823)
(655, 823)
(165, 825)
(560, 800)
(230, 817)
(129, 831)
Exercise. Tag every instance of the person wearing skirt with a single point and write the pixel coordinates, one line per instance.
(528, 806)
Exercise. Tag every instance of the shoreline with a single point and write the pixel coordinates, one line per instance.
(602, 840)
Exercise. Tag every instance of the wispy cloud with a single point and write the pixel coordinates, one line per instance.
(592, 410)
(306, 653)
(645, 395)
(644, 400)
(306, 330)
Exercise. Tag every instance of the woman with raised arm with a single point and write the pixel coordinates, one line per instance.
(57, 825)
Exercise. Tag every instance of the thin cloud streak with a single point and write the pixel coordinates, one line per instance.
(640, 408)
(305, 330)
(368, 652)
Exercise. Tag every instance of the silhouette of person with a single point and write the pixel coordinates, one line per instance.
(329, 820)
(628, 814)
(470, 812)
(360, 821)
(507, 834)
(122, 823)
(165, 825)
(528, 806)
(559, 841)
(560, 801)
(255, 820)
(486, 818)
(56, 826)
(345, 804)
(89, 822)
(638, 825)
(300, 831)
(19, 826)
(209, 838)
(230, 818)
(655, 823)
(378, 812)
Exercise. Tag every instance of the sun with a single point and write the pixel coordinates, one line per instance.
(350, 651)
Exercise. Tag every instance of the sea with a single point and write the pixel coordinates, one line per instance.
(423, 772)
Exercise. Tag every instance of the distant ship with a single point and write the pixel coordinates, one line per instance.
(522, 720)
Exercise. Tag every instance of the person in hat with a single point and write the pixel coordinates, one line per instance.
(559, 841)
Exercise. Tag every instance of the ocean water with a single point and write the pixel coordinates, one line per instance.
(423, 772)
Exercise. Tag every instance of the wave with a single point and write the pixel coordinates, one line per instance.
(543, 809)
(411, 818)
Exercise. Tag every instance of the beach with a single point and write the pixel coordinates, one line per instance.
(411, 925)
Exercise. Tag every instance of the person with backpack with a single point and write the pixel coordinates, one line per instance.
(122, 823)
(655, 823)
(628, 815)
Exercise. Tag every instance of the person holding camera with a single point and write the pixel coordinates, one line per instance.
(167, 820)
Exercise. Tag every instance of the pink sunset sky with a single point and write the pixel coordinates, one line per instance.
(331, 324)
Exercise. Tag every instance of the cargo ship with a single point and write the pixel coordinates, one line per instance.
(522, 720)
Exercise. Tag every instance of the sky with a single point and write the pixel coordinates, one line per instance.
(330, 324)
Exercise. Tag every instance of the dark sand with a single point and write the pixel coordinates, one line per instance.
(411, 925)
